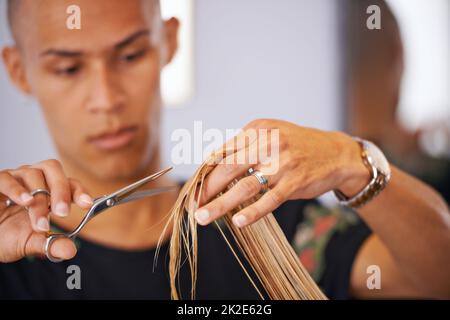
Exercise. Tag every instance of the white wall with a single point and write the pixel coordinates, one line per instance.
(254, 58)
(425, 31)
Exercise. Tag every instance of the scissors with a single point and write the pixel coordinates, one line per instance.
(100, 204)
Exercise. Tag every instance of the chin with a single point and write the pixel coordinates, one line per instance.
(129, 170)
(130, 163)
(113, 168)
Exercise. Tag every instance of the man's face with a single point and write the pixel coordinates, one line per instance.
(98, 86)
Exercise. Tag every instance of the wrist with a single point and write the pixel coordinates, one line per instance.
(356, 175)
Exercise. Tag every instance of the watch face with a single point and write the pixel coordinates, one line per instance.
(377, 158)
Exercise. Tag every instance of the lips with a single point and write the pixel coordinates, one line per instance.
(115, 139)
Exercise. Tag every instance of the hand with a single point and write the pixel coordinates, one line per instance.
(309, 163)
(23, 226)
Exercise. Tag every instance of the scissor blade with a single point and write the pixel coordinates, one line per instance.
(124, 192)
(146, 193)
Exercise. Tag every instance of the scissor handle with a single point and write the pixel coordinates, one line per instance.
(48, 244)
(100, 204)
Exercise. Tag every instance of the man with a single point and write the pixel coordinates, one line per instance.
(99, 90)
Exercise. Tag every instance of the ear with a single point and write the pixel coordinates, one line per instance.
(16, 69)
(171, 27)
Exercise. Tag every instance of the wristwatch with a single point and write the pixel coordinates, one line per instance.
(378, 165)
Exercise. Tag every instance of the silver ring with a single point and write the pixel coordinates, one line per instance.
(9, 203)
(34, 192)
(48, 243)
(261, 179)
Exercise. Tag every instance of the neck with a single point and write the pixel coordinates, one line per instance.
(133, 226)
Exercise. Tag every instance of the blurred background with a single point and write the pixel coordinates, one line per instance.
(311, 62)
(398, 81)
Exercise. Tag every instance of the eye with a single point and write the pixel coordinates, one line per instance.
(69, 71)
(133, 56)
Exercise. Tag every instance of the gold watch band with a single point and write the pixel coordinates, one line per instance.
(373, 190)
(376, 185)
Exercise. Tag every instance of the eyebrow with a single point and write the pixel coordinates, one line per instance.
(131, 38)
(123, 43)
(62, 53)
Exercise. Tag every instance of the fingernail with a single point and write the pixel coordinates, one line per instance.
(61, 209)
(86, 199)
(240, 220)
(26, 197)
(42, 224)
(202, 216)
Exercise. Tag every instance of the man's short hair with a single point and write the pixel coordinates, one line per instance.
(13, 7)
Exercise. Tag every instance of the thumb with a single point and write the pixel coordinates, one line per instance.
(62, 248)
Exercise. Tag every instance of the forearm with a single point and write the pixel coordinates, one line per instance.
(413, 221)
(410, 218)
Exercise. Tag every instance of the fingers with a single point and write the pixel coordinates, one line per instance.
(245, 189)
(12, 189)
(48, 175)
(241, 141)
(233, 166)
(80, 195)
(59, 186)
(252, 148)
(271, 200)
(38, 210)
(238, 154)
(62, 248)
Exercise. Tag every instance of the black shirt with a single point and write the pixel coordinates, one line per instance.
(108, 273)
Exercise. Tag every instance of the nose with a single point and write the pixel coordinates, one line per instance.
(105, 94)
